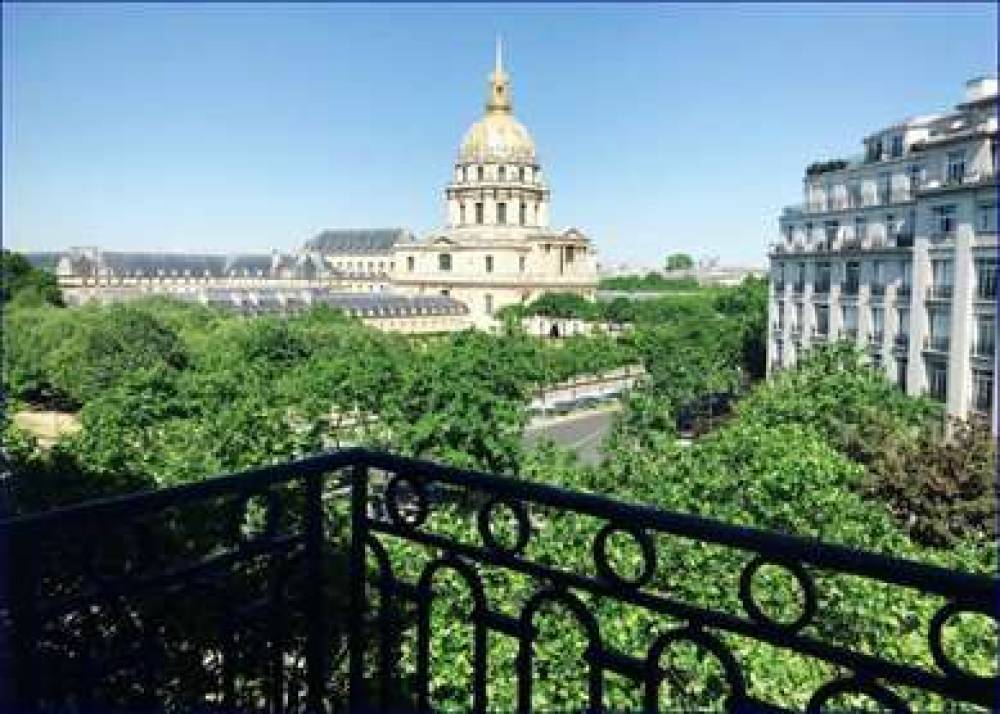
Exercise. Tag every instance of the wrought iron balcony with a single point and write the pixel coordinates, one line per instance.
(799, 287)
(876, 338)
(286, 589)
(849, 333)
(820, 335)
(939, 292)
(876, 289)
(937, 343)
(901, 341)
(904, 240)
(821, 288)
(849, 287)
(904, 291)
(986, 291)
(983, 350)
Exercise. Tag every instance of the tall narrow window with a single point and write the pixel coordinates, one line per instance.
(480, 173)
(501, 213)
(488, 304)
(520, 264)
(410, 263)
(489, 263)
(444, 261)
(986, 278)
(520, 174)
(522, 214)
(479, 214)
(956, 166)
(461, 213)
(465, 173)
(502, 173)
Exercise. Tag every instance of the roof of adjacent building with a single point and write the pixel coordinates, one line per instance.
(275, 299)
(370, 240)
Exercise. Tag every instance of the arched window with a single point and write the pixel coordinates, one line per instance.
(444, 261)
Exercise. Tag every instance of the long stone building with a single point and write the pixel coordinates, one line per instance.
(897, 251)
(496, 249)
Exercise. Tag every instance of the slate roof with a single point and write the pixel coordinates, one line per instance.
(376, 240)
(273, 299)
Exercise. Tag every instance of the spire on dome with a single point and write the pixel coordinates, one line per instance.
(498, 95)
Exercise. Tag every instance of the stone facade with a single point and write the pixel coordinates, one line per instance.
(897, 250)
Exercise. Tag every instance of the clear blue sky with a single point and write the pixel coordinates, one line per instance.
(661, 127)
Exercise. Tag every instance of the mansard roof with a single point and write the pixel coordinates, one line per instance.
(376, 240)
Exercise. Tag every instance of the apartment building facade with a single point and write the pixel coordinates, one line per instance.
(896, 250)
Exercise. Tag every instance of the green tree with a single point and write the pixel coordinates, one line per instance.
(22, 283)
(679, 261)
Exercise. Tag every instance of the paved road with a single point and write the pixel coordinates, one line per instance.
(583, 432)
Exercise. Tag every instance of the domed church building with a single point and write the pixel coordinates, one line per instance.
(497, 247)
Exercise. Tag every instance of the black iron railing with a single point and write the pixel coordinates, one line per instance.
(310, 586)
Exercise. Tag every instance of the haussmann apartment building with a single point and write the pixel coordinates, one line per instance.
(896, 250)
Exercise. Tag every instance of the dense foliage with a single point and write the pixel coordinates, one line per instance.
(23, 284)
(650, 282)
(171, 392)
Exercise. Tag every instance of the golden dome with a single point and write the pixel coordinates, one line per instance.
(498, 136)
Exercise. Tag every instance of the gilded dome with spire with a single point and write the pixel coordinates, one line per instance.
(498, 136)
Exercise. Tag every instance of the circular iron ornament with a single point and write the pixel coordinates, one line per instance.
(416, 512)
(758, 615)
(853, 685)
(604, 568)
(655, 673)
(938, 622)
(485, 518)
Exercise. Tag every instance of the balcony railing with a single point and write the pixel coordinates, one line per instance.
(876, 289)
(901, 341)
(799, 287)
(939, 292)
(903, 240)
(876, 337)
(903, 291)
(849, 287)
(937, 343)
(986, 291)
(820, 335)
(821, 288)
(983, 350)
(294, 587)
(849, 333)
